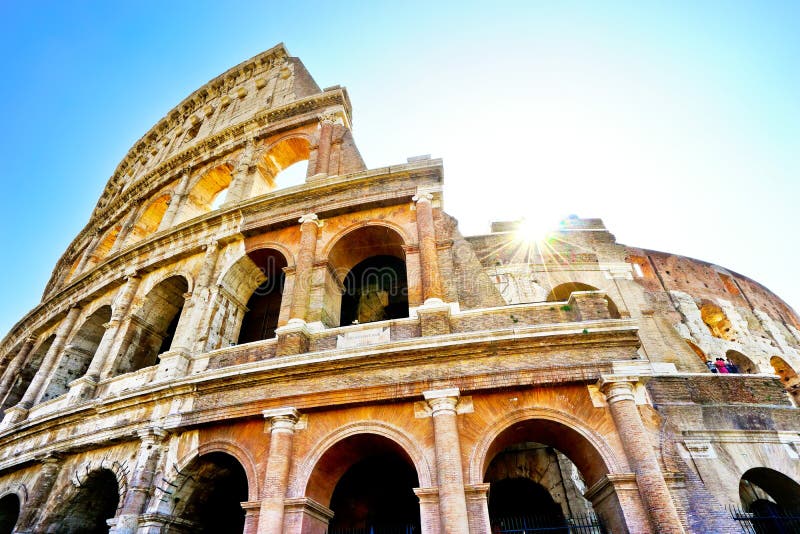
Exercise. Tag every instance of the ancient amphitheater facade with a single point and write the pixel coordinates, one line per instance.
(220, 352)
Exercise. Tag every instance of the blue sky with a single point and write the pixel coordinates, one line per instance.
(677, 123)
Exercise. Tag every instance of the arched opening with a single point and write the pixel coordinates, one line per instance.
(23, 379)
(742, 363)
(538, 471)
(92, 504)
(697, 350)
(284, 165)
(104, 246)
(371, 282)
(9, 513)
(150, 219)
(716, 321)
(207, 194)
(78, 353)
(264, 305)
(368, 482)
(788, 376)
(772, 498)
(561, 293)
(211, 494)
(153, 327)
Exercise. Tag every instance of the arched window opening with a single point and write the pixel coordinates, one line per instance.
(368, 482)
(367, 280)
(150, 219)
(94, 502)
(153, 328)
(210, 497)
(789, 378)
(561, 293)
(78, 353)
(742, 363)
(534, 483)
(376, 289)
(104, 246)
(23, 380)
(209, 193)
(264, 305)
(284, 165)
(9, 513)
(716, 321)
(772, 498)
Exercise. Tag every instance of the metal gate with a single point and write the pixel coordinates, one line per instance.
(583, 524)
(378, 529)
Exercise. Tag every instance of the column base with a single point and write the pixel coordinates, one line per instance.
(13, 415)
(81, 389)
(293, 338)
(318, 176)
(434, 317)
(173, 364)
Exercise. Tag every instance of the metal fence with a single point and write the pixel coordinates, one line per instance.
(767, 522)
(583, 524)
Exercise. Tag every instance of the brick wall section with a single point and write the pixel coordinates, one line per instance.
(713, 389)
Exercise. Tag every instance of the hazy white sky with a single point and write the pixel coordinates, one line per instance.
(676, 123)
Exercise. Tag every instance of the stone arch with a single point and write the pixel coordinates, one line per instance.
(27, 372)
(742, 362)
(717, 321)
(769, 486)
(149, 219)
(241, 455)
(153, 326)
(367, 277)
(78, 353)
(697, 350)
(306, 470)
(204, 190)
(11, 503)
(788, 376)
(582, 446)
(209, 490)
(93, 500)
(278, 156)
(561, 293)
(104, 246)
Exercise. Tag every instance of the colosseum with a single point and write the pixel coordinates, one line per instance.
(220, 351)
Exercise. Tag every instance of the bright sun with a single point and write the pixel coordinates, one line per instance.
(530, 231)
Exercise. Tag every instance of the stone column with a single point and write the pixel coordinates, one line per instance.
(326, 123)
(282, 423)
(309, 229)
(38, 495)
(243, 177)
(13, 369)
(619, 392)
(429, 510)
(87, 253)
(50, 359)
(141, 481)
(84, 387)
(127, 226)
(429, 263)
(478, 506)
(175, 202)
(452, 501)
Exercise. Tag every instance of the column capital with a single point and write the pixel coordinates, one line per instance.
(282, 418)
(151, 435)
(618, 387)
(130, 273)
(310, 218)
(211, 246)
(328, 118)
(422, 196)
(442, 400)
(51, 458)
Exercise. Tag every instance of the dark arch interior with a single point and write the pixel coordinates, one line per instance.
(264, 304)
(23, 379)
(782, 489)
(375, 289)
(562, 292)
(212, 495)
(376, 492)
(521, 502)
(95, 502)
(9, 513)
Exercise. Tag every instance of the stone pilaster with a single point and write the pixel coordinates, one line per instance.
(124, 232)
(243, 176)
(619, 392)
(326, 123)
(429, 263)
(13, 369)
(50, 359)
(478, 507)
(141, 481)
(38, 495)
(175, 202)
(452, 501)
(429, 510)
(282, 423)
(87, 253)
(309, 230)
